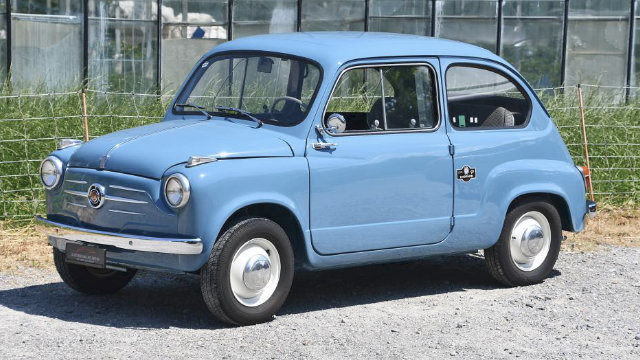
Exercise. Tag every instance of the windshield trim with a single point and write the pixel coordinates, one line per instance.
(193, 80)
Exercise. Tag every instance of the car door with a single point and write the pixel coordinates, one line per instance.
(380, 170)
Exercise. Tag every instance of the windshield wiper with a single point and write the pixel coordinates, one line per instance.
(233, 110)
(199, 108)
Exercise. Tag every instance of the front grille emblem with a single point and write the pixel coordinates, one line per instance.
(95, 195)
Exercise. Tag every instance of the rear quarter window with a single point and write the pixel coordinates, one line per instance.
(482, 98)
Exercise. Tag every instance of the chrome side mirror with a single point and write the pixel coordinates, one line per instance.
(336, 124)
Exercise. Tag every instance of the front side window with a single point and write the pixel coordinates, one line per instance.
(483, 99)
(383, 98)
(274, 89)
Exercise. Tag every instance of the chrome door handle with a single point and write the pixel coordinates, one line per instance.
(323, 145)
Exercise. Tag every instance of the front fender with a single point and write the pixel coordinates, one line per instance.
(221, 188)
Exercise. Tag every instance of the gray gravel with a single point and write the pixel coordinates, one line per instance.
(447, 307)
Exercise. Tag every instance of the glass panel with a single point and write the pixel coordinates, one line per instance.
(412, 103)
(334, 15)
(472, 21)
(532, 39)
(190, 29)
(358, 98)
(252, 17)
(597, 42)
(205, 12)
(46, 30)
(405, 16)
(271, 88)
(479, 97)
(123, 45)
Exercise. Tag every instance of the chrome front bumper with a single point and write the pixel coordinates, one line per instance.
(64, 234)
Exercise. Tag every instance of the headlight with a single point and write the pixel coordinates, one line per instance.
(50, 172)
(177, 190)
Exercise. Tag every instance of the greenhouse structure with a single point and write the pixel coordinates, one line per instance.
(150, 45)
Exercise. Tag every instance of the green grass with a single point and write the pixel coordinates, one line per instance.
(613, 133)
(30, 127)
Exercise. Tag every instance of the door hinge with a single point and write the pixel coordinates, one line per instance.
(452, 222)
(452, 149)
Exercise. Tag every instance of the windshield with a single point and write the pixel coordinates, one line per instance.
(274, 89)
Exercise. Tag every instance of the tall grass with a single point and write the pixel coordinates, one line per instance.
(613, 133)
(31, 125)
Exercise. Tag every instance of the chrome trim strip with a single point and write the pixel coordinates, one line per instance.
(125, 200)
(76, 193)
(178, 246)
(125, 212)
(75, 204)
(199, 160)
(76, 181)
(65, 143)
(126, 188)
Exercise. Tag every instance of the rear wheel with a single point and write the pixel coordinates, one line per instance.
(528, 246)
(249, 273)
(90, 280)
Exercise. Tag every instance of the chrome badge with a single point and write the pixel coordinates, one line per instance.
(95, 195)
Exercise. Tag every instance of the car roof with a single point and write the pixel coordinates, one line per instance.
(335, 48)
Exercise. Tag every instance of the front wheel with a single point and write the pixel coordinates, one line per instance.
(90, 280)
(528, 246)
(249, 273)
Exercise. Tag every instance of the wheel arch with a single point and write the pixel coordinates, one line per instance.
(281, 215)
(558, 202)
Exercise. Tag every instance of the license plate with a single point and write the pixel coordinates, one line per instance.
(85, 255)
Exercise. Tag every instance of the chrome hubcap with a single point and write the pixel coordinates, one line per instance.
(530, 241)
(255, 272)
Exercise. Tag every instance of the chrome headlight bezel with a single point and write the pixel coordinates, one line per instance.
(185, 187)
(57, 166)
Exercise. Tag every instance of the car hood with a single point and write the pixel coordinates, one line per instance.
(150, 150)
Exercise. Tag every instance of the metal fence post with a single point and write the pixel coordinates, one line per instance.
(299, 16)
(8, 21)
(433, 17)
(230, 20)
(500, 25)
(366, 15)
(565, 29)
(85, 44)
(630, 49)
(159, 49)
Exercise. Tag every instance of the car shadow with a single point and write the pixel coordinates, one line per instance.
(157, 301)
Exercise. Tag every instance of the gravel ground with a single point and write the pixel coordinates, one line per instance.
(446, 307)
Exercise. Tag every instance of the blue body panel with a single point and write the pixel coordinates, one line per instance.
(374, 198)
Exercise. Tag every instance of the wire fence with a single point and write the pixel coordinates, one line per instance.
(31, 125)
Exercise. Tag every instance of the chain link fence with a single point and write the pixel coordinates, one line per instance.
(31, 125)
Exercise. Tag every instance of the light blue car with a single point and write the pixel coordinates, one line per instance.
(318, 151)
